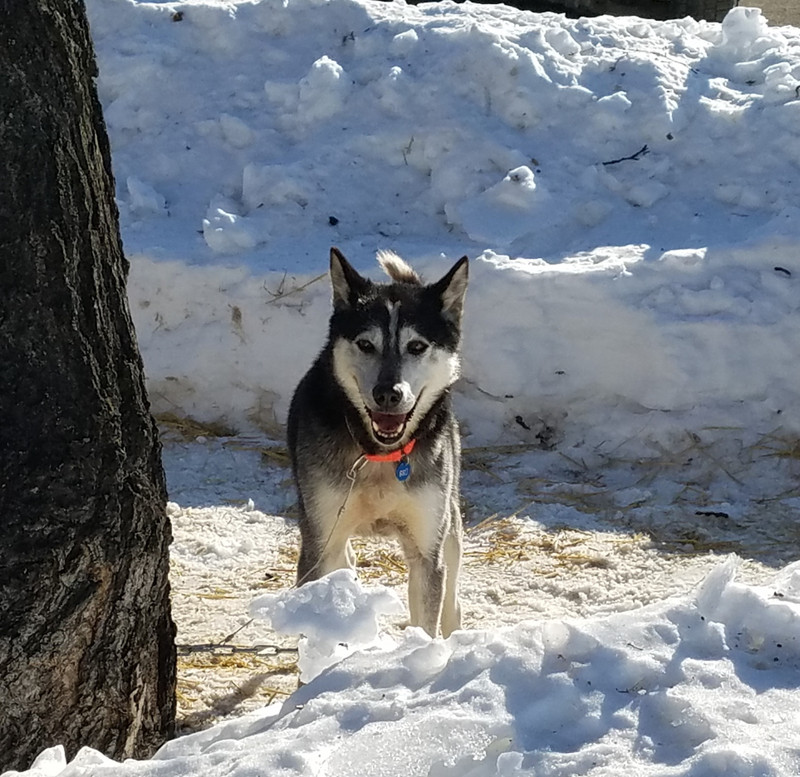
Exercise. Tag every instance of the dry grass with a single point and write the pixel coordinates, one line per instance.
(216, 594)
(252, 681)
(505, 541)
(282, 663)
(276, 456)
(174, 428)
(377, 561)
(187, 696)
(283, 290)
(481, 457)
(185, 429)
(779, 446)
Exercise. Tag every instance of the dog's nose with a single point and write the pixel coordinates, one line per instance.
(387, 398)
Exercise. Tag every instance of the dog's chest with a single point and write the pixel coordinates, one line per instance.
(377, 493)
(381, 504)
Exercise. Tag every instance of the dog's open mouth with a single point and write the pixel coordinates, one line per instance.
(388, 428)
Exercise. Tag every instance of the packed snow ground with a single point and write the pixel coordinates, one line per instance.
(627, 191)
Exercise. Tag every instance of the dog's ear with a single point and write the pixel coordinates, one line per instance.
(452, 288)
(347, 284)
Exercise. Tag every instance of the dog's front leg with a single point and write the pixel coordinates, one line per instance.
(324, 536)
(310, 559)
(426, 582)
(451, 608)
(318, 558)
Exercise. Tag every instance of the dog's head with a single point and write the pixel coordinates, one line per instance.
(395, 345)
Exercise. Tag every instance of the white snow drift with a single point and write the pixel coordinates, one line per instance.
(626, 189)
(703, 686)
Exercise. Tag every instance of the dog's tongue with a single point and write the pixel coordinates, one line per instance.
(389, 423)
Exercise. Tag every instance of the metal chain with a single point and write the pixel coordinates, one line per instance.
(222, 649)
(351, 475)
(227, 649)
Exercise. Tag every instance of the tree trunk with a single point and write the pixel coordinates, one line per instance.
(87, 653)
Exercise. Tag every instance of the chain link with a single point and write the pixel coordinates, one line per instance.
(222, 649)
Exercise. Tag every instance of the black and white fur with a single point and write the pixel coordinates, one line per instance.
(382, 379)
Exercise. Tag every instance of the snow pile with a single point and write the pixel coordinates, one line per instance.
(626, 189)
(334, 615)
(699, 686)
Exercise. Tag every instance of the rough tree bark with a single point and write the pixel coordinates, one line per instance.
(87, 652)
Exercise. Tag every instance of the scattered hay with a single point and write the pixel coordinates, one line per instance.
(186, 700)
(501, 450)
(694, 546)
(481, 457)
(288, 555)
(246, 687)
(275, 578)
(586, 498)
(282, 663)
(282, 291)
(271, 455)
(778, 446)
(184, 428)
(276, 456)
(218, 593)
(379, 561)
(505, 542)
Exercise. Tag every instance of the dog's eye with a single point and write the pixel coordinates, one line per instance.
(365, 346)
(417, 347)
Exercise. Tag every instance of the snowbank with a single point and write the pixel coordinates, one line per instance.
(626, 189)
(699, 686)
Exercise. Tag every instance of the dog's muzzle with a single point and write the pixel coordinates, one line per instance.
(393, 406)
(388, 428)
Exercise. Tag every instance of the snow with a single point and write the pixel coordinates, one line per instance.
(700, 685)
(278, 129)
(335, 615)
(626, 191)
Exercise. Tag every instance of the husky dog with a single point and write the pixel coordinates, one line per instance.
(373, 440)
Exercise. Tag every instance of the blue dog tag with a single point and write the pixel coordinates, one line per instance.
(403, 470)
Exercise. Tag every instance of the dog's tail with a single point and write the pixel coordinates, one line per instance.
(396, 268)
